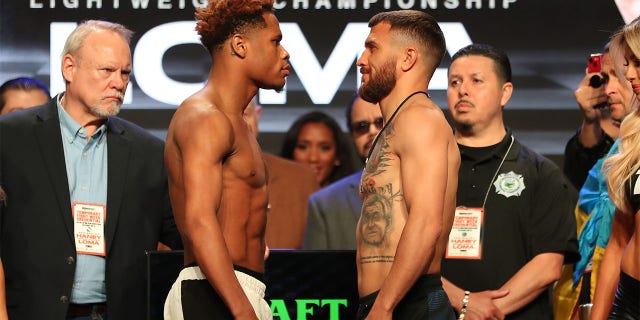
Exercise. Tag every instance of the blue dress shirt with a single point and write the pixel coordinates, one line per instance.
(86, 163)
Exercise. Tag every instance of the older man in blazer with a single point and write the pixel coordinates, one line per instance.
(333, 211)
(87, 192)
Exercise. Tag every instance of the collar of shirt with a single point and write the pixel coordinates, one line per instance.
(480, 154)
(72, 131)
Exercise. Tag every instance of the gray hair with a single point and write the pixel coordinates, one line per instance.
(77, 37)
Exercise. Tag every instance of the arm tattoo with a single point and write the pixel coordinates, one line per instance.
(373, 259)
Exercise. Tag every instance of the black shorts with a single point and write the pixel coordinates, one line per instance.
(625, 305)
(201, 301)
(425, 300)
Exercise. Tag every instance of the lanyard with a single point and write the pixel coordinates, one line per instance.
(486, 195)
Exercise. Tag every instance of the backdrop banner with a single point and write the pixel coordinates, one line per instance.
(548, 43)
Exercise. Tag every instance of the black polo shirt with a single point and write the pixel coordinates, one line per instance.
(534, 215)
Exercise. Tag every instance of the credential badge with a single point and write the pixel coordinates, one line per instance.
(509, 184)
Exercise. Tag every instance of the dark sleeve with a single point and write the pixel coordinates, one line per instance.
(315, 234)
(553, 222)
(169, 234)
(578, 160)
(3, 194)
(3, 203)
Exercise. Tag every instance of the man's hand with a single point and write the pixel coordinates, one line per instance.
(590, 99)
(481, 305)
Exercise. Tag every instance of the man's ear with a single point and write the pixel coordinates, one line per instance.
(409, 57)
(507, 90)
(238, 46)
(69, 63)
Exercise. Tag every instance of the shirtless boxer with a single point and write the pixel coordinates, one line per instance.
(409, 183)
(217, 176)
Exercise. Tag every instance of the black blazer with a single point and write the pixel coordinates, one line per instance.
(36, 226)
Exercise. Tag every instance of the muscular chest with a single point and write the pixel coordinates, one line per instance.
(246, 162)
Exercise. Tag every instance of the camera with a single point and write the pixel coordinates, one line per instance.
(595, 65)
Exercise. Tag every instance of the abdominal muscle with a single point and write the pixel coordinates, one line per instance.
(243, 224)
(371, 276)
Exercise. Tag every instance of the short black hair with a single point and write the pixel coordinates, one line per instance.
(501, 63)
(24, 84)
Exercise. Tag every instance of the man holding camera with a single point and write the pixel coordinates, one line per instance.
(603, 108)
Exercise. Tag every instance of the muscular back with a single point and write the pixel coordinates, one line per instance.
(408, 189)
(217, 180)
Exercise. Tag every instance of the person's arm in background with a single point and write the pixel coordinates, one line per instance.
(315, 233)
(590, 100)
(530, 281)
(3, 295)
(590, 143)
(609, 273)
(3, 292)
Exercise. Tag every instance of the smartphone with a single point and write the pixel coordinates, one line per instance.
(595, 66)
(595, 63)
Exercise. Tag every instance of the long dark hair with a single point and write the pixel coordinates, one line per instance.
(344, 150)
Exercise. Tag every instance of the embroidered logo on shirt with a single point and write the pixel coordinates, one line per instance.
(509, 184)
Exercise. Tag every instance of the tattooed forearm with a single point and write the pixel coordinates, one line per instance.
(373, 259)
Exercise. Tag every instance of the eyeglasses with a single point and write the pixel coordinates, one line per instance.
(362, 127)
